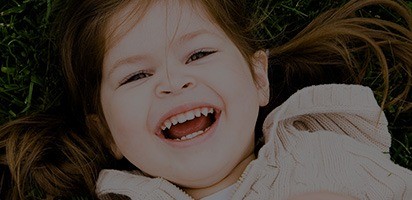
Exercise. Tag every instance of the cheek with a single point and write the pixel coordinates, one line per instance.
(232, 76)
(126, 114)
(127, 126)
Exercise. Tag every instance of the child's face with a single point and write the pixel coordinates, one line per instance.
(189, 62)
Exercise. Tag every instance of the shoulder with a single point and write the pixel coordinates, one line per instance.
(334, 138)
(343, 109)
(330, 98)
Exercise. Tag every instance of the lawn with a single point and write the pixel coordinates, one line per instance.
(31, 80)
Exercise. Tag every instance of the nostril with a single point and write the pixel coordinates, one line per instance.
(186, 85)
(176, 89)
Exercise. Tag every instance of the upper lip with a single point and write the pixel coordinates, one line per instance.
(181, 109)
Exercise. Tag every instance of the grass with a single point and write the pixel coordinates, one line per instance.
(28, 60)
(30, 78)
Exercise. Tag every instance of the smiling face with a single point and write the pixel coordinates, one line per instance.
(175, 60)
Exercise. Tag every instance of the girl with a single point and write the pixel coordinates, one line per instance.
(169, 98)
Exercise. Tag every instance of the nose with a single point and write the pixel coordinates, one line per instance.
(174, 83)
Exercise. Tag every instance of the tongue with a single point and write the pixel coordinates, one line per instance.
(190, 126)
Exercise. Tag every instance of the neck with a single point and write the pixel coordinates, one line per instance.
(229, 180)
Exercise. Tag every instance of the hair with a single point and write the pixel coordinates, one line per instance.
(63, 155)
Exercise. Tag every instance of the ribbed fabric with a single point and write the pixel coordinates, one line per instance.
(323, 138)
(226, 193)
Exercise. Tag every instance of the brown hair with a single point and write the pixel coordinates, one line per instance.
(64, 154)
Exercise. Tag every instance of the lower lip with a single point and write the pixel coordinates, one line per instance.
(196, 140)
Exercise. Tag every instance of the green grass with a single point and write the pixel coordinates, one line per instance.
(30, 78)
(29, 69)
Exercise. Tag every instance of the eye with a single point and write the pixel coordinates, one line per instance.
(135, 76)
(199, 54)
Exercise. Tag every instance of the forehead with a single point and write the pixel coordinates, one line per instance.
(170, 16)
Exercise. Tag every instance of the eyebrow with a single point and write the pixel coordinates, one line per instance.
(181, 40)
(124, 61)
(194, 34)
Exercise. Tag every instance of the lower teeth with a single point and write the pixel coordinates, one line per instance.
(192, 135)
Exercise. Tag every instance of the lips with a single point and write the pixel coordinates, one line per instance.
(197, 140)
(191, 128)
(181, 109)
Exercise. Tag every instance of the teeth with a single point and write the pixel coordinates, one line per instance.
(192, 135)
(207, 128)
(190, 115)
(174, 120)
(205, 111)
(183, 117)
(167, 124)
(197, 113)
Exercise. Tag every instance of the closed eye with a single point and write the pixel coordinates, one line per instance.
(199, 54)
(135, 76)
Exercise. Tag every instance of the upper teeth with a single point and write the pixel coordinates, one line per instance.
(183, 117)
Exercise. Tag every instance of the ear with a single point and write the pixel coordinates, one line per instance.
(96, 124)
(260, 64)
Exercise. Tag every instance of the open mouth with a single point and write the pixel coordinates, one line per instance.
(190, 124)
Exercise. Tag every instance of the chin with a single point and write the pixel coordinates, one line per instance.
(199, 179)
